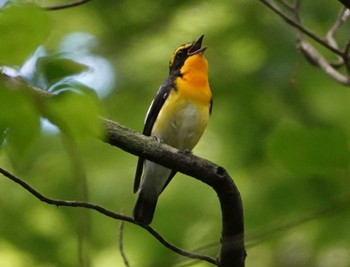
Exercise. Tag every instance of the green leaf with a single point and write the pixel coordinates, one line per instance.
(21, 121)
(309, 151)
(23, 27)
(76, 114)
(56, 68)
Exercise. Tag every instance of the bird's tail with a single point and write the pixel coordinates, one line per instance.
(144, 209)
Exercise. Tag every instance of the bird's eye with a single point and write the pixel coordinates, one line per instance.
(179, 53)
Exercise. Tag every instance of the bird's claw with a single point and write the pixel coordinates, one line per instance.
(186, 151)
(156, 138)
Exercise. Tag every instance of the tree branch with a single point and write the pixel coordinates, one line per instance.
(66, 5)
(232, 250)
(343, 16)
(106, 212)
(307, 49)
(296, 25)
(317, 59)
(121, 245)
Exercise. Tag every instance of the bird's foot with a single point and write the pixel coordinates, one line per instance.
(186, 151)
(156, 138)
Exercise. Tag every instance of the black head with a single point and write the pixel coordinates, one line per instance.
(183, 52)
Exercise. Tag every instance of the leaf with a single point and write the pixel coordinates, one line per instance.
(19, 123)
(23, 27)
(309, 151)
(56, 68)
(76, 114)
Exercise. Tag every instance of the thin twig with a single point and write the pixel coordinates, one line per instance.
(286, 5)
(106, 212)
(317, 59)
(121, 244)
(296, 10)
(296, 13)
(330, 36)
(335, 206)
(178, 250)
(346, 56)
(301, 28)
(343, 16)
(66, 5)
(308, 50)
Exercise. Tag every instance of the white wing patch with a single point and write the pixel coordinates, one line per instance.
(150, 106)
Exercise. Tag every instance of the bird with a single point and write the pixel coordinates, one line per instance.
(177, 116)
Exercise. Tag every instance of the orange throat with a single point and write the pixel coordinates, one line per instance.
(193, 84)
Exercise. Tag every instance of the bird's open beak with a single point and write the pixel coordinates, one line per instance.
(197, 48)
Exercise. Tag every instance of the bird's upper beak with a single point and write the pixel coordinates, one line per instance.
(197, 48)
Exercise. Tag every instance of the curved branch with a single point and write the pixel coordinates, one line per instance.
(342, 18)
(232, 250)
(66, 5)
(106, 212)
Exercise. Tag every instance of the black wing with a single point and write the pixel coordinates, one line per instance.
(151, 117)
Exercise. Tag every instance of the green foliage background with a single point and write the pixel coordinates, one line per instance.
(279, 126)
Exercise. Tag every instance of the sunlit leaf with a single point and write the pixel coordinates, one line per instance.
(309, 151)
(23, 27)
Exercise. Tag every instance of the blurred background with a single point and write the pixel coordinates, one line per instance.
(279, 126)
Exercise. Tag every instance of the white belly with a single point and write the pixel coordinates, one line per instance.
(182, 125)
